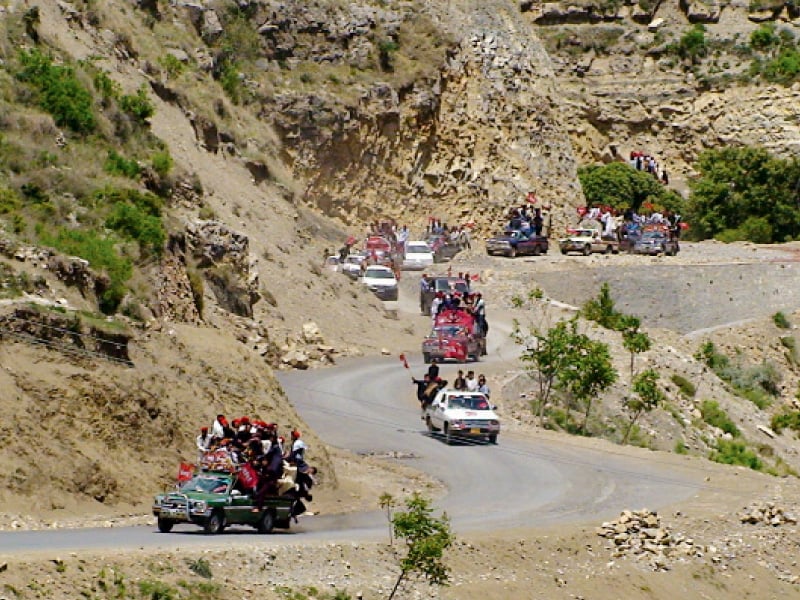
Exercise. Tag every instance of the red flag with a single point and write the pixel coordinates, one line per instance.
(185, 472)
(531, 197)
(405, 362)
(683, 225)
(248, 477)
(350, 241)
(475, 277)
(582, 210)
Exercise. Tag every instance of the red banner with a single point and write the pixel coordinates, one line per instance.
(404, 361)
(185, 472)
(248, 477)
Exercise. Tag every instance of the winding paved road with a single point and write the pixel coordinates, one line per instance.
(367, 405)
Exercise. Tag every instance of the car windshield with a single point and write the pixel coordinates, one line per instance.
(210, 484)
(418, 249)
(653, 235)
(379, 274)
(468, 402)
(449, 331)
(451, 285)
(354, 259)
(332, 260)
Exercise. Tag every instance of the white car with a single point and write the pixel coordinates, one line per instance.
(352, 265)
(332, 264)
(417, 255)
(459, 414)
(381, 281)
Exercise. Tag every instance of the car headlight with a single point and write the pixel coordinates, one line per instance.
(198, 506)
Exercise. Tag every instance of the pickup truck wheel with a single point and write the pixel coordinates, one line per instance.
(266, 523)
(493, 438)
(563, 251)
(165, 525)
(587, 250)
(215, 523)
(512, 253)
(609, 249)
(426, 358)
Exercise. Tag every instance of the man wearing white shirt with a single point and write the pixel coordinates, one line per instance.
(472, 383)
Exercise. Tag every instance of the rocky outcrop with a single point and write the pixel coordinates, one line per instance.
(224, 258)
(307, 350)
(463, 144)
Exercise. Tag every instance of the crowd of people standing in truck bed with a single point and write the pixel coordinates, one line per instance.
(265, 462)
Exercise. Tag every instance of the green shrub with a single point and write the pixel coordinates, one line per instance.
(230, 81)
(162, 162)
(680, 447)
(686, 387)
(9, 200)
(692, 44)
(708, 354)
(786, 420)
(102, 255)
(200, 567)
(130, 221)
(106, 87)
(733, 452)
(60, 93)
(171, 65)
(764, 37)
(157, 590)
(198, 289)
(137, 105)
(116, 164)
(601, 309)
(781, 321)
(784, 68)
(716, 417)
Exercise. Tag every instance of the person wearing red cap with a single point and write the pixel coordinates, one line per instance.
(218, 428)
(296, 454)
(203, 441)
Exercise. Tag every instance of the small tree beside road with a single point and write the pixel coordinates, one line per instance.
(426, 538)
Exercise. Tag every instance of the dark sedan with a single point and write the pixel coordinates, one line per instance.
(512, 243)
(654, 243)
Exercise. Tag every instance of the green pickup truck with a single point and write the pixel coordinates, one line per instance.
(212, 501)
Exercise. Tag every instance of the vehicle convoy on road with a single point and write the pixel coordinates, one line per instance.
(417, 255)
(657, 242)
(461, 414)
(514, 243)
(351, 266)
(445, 284)
(457, 336)
(587, 241)
(214, 500)
(381, 281)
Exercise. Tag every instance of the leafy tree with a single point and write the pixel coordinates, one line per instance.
(634, 340)
(621, 186)
(590, 371)
(648, 396)
(745, 193)
(426, 538)
(545, 355)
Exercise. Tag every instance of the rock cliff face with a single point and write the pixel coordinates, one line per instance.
(463, 143)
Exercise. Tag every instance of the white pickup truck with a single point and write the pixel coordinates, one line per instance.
(460, 414)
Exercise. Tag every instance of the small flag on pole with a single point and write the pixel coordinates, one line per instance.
(404, 361)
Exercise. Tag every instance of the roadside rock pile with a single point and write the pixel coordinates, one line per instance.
(640, 534)
(307, 350)
(766, 513)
